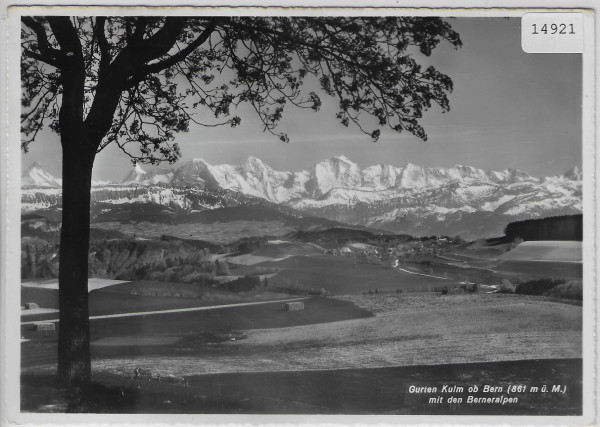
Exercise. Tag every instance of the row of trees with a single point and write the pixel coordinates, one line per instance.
(565, 227)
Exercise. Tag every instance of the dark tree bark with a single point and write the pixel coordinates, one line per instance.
(74, 359)
(78, 153)
(80, 140)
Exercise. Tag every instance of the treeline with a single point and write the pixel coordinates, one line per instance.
(341, 236)
(565, 227)
(166, 260)
(548, 287)
(244, 284)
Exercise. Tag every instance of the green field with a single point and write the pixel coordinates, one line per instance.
(126, 297)
(332, 333)
(554, 269)
(546, 250)
(348, 275)
(190, 328)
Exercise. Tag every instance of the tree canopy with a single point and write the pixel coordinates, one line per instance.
(138, 81)
(147, 78)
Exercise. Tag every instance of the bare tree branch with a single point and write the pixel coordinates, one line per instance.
(102, 45)
(47, 53)
(180, 55)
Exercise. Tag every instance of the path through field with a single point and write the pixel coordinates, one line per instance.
(174, 310)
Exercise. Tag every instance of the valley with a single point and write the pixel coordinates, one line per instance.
(362, 315)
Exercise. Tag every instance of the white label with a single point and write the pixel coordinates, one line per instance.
(552, 32)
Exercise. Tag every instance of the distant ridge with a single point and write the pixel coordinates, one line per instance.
(461, 200)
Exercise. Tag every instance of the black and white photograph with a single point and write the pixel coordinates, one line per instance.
(300, 212)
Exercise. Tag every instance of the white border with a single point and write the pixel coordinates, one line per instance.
(10, 213)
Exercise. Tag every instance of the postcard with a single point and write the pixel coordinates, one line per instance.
(298, 215)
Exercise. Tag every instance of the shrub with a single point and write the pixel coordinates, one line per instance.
(570, 290)
(506, 287)
(222, 268)
(472, 287)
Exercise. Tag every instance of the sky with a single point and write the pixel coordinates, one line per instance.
(508, 109)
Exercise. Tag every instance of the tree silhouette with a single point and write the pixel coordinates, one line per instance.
(138, 81)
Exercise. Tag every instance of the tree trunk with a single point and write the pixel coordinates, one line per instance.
(74, 359)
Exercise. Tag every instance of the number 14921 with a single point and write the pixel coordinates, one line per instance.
(553, 29)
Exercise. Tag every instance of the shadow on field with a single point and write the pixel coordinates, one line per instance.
(352, 391)
(189, 327)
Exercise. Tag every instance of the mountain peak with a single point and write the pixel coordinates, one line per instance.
(342, 158)
(253, 159)
(254, 162)
(36, 176)
(135, 175)
(35, 165)
(138, 169)
(139, 175)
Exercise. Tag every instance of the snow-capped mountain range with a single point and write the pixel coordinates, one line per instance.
(326, 178)
(411, 198)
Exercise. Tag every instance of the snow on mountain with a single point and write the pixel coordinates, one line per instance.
(333, 180)
(253, 177)
(142, 177)
(385, 196)
(36, 176)
(337, 172)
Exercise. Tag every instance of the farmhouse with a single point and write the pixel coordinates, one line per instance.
(293, 306)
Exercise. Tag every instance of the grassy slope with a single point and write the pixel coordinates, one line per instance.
(415, 330)
(347, 275)
(190, 327)
(117, 298)
(566, 251)
(554, 269)
(409, 330)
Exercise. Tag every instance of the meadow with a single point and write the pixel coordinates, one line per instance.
(339, 275)
(142, 296)
(279, 361)
(188, 327)
(567, 270)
